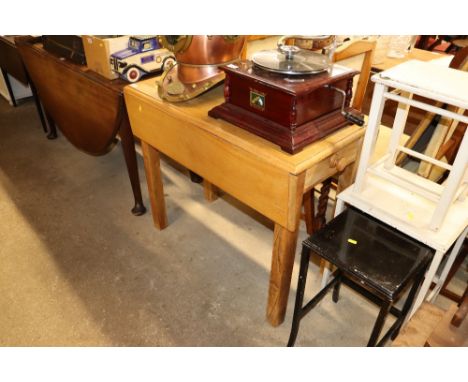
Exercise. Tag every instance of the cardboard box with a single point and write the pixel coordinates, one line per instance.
(98, 50)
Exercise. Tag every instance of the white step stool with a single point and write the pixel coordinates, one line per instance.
(434, 214)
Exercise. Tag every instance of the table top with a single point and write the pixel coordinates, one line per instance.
(413, 54)
(35, 45)
(196, 112)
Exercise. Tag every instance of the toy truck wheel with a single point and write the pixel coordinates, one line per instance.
(133, 74)
(168, 63)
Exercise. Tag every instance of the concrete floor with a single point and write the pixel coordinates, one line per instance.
(78, 269)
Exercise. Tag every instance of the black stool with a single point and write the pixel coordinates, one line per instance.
(372, 258)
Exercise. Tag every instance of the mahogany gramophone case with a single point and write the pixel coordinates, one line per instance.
(290, 111)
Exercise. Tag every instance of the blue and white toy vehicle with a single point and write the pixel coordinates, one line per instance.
(144, 55)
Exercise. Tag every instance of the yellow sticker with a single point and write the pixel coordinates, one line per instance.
(410, 215)
(352, 241)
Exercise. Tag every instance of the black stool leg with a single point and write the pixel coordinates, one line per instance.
(379, 323)
(301, 283)
(409, 301)
(336, 289)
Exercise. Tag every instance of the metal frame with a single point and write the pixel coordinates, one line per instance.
(386, 305)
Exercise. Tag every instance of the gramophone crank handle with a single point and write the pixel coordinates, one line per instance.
(357, 120)
(353, 118)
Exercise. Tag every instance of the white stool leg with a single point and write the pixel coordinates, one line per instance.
(427, 282)
(339, 208)
(399, 124)
(451, 185)
(453, 255)
(325, 277)
(370, 138)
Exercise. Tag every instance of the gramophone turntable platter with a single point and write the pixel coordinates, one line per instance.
(292, 60)
(301, 63)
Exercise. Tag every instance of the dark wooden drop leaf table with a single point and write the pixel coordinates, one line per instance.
(87, 108)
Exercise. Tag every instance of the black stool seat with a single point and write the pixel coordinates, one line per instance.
(371, 257)
(366, 248)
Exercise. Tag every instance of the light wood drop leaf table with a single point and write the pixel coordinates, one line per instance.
(251, 169)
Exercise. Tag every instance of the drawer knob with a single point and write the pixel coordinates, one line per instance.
(338, 163)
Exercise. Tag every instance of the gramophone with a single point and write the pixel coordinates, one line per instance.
(290, 96)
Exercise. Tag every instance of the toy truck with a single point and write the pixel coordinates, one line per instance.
(143, 56)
